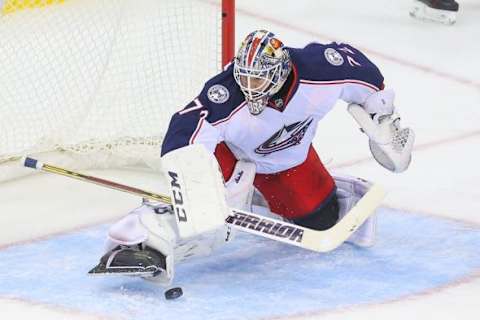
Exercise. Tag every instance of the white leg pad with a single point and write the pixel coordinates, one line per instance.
(197, 190)
(239, 187)
(127, 231)
(145, 226)
(349, 191)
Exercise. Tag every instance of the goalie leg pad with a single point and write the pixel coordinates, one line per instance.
(197, 190)
(239, 188)
(128, 231)
(349, 191)
(143, 235)
(163, 236)
(145, 225)
(152, 229)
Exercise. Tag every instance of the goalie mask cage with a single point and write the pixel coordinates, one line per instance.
(93, 83)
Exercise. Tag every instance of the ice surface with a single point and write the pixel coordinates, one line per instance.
(424, 266)
(252, 278)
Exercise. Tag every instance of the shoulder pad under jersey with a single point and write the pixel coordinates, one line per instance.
(334, 61)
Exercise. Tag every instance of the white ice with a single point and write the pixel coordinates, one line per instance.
(434, 70)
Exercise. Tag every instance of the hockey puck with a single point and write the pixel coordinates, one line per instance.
(173, 293)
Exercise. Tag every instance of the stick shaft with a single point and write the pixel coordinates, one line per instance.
(319, 241)
(34, 164)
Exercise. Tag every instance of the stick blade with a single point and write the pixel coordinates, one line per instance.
(328, 240)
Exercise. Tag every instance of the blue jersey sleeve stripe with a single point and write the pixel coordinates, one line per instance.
(346, 81)
(243, 104)
(197, 105)
(180, 130)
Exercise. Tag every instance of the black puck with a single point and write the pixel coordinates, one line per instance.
(173, 293)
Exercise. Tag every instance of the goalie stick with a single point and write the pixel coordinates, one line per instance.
(319, 241)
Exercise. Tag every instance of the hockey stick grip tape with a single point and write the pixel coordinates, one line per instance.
(32, 163)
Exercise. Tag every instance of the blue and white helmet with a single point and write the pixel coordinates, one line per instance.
(260, 68)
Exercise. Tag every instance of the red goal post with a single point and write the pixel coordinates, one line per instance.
(228, 30)
(94, 82)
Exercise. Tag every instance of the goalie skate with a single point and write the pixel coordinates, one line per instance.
(440, 11)
(132, 261)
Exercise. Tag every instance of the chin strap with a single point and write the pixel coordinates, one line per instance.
(390, 144)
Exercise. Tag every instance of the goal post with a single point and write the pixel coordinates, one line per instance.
(98, 80)
(228, 31)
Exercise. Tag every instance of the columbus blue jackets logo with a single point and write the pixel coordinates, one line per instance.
(286, 137)
(218, 94)
(333, 57)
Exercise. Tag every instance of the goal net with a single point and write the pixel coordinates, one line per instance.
(95, 82)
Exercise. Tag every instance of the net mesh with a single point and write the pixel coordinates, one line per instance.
(100, 78)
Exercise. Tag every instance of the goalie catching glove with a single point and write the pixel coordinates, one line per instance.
(390, 144)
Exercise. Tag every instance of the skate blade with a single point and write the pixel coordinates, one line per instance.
(149, 271)
(422, 12)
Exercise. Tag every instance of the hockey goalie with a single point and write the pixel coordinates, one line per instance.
(246, 142)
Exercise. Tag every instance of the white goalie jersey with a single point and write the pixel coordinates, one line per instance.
(279, 137)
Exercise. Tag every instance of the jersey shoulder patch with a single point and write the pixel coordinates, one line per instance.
(333, 57)
(221, 95)
(218, 93)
